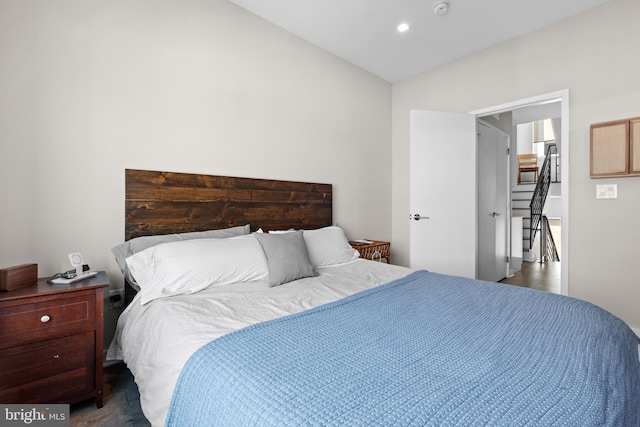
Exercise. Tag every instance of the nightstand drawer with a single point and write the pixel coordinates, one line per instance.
(51, 342)
(36, 321)
(49, 371)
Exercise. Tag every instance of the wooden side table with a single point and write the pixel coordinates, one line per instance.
(375, 251)
(51, 342)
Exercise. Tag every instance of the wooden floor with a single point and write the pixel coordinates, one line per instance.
(122, 400)
(542, 276)
(121, 403)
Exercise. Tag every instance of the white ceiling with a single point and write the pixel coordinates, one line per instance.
(534, 113)
(364, 33)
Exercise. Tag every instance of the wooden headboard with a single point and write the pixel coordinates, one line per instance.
(168, 202)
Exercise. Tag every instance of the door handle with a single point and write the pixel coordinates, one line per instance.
(495, 214)
(417, 217)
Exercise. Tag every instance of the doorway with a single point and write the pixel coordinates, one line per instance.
(443, 219)
(534, 105)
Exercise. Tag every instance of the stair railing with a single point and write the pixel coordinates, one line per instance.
(548, 248)
(540, 194)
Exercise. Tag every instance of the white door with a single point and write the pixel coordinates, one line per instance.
(443, 193)
(493, 205)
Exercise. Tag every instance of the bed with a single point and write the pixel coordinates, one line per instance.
(243, 319)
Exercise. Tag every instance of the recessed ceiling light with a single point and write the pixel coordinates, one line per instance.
(403, 27)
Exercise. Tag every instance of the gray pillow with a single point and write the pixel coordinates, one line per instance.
(287, 257)
(139, 244)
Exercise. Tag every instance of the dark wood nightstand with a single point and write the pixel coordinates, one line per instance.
(375, 251)
(51, 342)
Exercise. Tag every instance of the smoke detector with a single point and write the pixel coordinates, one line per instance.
(440, 7)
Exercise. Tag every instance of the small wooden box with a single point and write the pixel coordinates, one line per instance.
(18, 276)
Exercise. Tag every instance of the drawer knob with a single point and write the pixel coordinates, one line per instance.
(45, 319)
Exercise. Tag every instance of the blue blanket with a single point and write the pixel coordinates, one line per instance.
(427, 349)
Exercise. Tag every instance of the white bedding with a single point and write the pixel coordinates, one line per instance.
(156, 340)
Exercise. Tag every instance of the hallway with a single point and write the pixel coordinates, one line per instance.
(535, 275)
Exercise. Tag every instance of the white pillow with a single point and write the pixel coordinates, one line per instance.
(188, 266)
(329, 246)
(138, 244)
(291, 230)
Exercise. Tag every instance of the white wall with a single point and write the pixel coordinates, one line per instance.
(90, 88)
(524, 138)
(591, 55)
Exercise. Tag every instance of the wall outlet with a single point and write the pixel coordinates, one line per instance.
(116, 298)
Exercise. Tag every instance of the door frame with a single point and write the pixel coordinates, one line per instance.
(563, 97)
(507, 225)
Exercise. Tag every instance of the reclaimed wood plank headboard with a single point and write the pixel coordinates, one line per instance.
(169, 202)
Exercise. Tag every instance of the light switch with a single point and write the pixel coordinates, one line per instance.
(607, 191)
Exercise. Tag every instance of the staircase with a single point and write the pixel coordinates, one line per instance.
(528, 201)
(520, 200)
